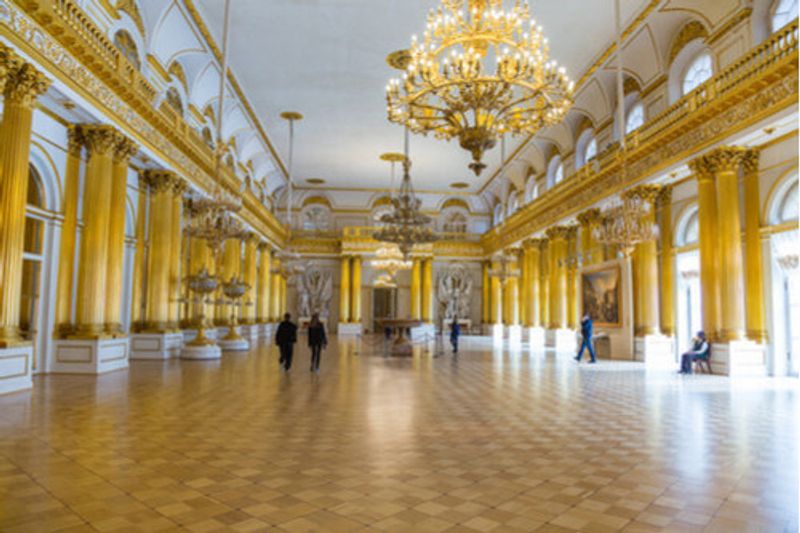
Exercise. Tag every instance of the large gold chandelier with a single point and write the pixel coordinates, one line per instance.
(479, 72)
(626, 224)
(390, 259)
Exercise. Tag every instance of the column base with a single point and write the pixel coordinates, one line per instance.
(198, 352)
(234, 343)
(739, 358)
(655, 350)
(250, 332)
(563, 340)
(156, 346)
(535, 338)
(514, 334)
(495, 331)
(422, 332)
(15, 368)
(349, 328)
(90, 356)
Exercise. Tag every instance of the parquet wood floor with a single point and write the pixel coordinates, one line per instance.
(490, 441)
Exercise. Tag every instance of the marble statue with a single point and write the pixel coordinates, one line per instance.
(454, 290)
(314, 293)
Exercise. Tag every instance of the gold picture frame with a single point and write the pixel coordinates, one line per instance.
(601, 289)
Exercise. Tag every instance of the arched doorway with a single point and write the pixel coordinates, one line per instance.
(31, 320)
(689, 304)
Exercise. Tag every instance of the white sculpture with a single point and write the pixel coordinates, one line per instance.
(454, 290)
(314, 292)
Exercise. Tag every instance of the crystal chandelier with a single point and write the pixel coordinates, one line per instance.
(479, 72)
(385, 281)
(506, 269)
(405, 225)
(389, 259)
(626, 224)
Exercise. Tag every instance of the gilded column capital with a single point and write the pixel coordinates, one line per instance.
(24, 84)
(124, 149)
(75, 140)
(572, 232)
(664, 196)
(534, 242)
(264, 247)
(647, 192)
(589, 217)
(99, 138)
(722, 159)
(750, 161)
(161, 180)
(250, 237)
(9, 62)
(557, 232)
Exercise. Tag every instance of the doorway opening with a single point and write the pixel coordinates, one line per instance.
(384, 305)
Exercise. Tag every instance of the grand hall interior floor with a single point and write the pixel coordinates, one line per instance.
(491, 440)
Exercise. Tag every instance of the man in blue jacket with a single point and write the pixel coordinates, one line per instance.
(586, 334)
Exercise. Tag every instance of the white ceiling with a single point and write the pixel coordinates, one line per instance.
(326, 59)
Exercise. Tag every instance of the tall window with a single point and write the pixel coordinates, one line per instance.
(635, 118)
(497, 219)
(33, 248)
(585, 148)
(513, 204)
(555, 171)
(591, 150)
(531, 189)
(785, 12)
(698, 71)
(788, 209)
(127, 47)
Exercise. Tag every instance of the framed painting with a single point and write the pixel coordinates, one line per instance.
(602, 296)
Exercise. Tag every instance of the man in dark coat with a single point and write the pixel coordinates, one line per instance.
(586, 335)
(285, 338)
(455, 333)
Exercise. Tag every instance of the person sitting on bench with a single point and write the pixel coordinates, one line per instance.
(699, 351)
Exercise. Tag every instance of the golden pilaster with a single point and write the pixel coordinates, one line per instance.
(249, 274)
(282, 295)
(22, 84)
(532, 295)
(709, 262)
(573, 277)
(264, 268)
(124, 149)
(355, 290)
(754, 280)
(511, 297)
(485, 292)
(176, 239)
(557, 254)
(344, 291)
(162, 183)
(93, 269)
(666, 298)
(496, 315)
(646, 267)
(416, 289)
(66, 258)
(524, 283)
(275, 292)
(724, 163)
(544, 283)
(138, 313)
(427, 290)
(590, 251)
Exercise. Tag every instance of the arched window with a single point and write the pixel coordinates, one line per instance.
(208, 137)
(635, 118)
(35, 188)
(512, 204)
(127, 47)
(173, 98)
(497, 219)
(585, 148)
(555, 171)
(783, 12)
(531, 189)
(455, 222)
(689, 230)
(699, 70)
(788, 210)
(316, 218)
(591, 150)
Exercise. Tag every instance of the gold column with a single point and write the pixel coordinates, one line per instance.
(138, 314)
(93, 265)
(275, 292)
(532, 290)
(416, 288)
(344, 291)
(485, 292)
(496, 314)
(66, 258)
(557, 236)
(646, 266)
(667, 297)
(249, 273)
(264, 268)
(590, 252)
(754, 280)
(707, 221)
(355, 290)
(21, 84)
(544, 283)
(427, 291)
(282, 299)
(573, 277)
(176, 244)
(124, 149)
(524, 283)
(511, 297)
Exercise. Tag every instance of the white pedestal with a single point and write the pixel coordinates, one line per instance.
(234, 345)
(156, 346)
(250, 332)
(90, 356)
(15, 368)
(495, 331)
(348, 328)
(514, 334)
(739, 358)
(423, 332)
(201, 352)
(655, 351)
(565, 340)
(535, 338)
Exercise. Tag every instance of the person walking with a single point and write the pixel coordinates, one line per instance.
(698, 352)
(455, 333)
(586, 335)
(317, 340)
(285, 338)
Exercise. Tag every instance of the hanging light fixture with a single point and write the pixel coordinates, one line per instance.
(405, 225)
(626, 224)
(479, 71)
(388, 257)
(506, 268)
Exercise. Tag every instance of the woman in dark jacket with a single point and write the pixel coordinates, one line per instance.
(317, 340)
